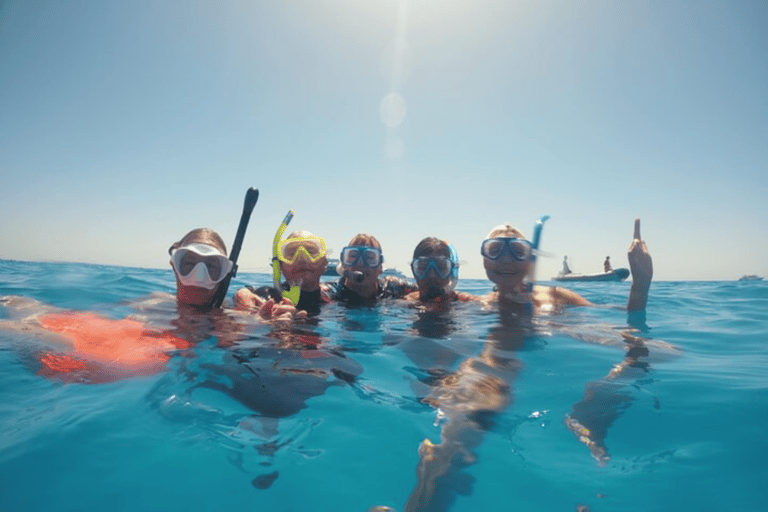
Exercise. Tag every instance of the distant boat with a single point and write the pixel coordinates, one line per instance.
(393, 272)
(750, 277)
(618, 274)
(330, 270)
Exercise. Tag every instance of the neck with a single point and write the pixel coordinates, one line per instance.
(310, 286)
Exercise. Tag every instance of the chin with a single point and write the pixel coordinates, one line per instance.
(196, 296)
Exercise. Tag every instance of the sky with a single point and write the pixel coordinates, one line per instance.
(125, 124)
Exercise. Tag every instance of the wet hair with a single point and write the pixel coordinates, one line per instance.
(505, 230)
(365, 240)
(432, 245)
(201, 236)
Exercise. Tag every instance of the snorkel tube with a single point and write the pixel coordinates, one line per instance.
(354, 275)
(295, 291)
(454, 278)
(535, 249)
(251, 196)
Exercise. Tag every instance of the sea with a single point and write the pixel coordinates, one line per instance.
(390, 407)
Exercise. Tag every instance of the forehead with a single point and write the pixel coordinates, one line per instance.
(437, 252)
(505, 233)
(365, 241)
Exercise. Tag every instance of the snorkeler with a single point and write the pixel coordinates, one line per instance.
(508, 262)
(360, 267)
(435, 267)
(301, 258)
(105, 349)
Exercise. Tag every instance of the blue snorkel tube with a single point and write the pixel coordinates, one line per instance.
(535, 249)
(454, 279)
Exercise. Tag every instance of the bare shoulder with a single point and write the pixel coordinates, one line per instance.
(468, 297)
(569, 297)
(559, 296)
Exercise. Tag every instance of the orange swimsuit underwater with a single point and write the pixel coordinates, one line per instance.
(106, 350)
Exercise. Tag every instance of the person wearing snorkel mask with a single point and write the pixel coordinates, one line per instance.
(509, 265)
(99, 349)
(302, 258)
(435, 267)
(360, 265)
(199, 261)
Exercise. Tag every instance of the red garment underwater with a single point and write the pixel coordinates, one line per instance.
(106, 350)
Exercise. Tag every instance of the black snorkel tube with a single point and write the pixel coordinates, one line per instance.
(251, 196)
(354, 275)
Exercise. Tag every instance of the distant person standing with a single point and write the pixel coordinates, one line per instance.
(566, 268)
(607, 264)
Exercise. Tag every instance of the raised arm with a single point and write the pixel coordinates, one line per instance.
(641, 265)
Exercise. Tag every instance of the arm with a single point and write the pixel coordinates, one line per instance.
(641, 265)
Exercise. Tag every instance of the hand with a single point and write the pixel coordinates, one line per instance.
(284, 311)
(246, 300)
(640, 262)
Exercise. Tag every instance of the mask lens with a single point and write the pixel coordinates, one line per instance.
(419, 267)
(372, 257)
(443, 266)
(349, 256)
(519, 249)
(492, 248)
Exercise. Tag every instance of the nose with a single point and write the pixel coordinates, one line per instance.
(200, 272)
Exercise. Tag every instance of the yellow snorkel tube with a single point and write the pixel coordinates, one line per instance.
(295, 291)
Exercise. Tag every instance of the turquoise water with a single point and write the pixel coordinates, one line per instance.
(684, 426)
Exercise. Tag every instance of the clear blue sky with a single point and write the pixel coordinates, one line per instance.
(125, 124)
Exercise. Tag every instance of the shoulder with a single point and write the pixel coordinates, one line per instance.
(397, 287)
(467, 297)
(560, 296)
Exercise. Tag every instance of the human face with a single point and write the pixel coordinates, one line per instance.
(365, 260)
(509, 261)
(432, 272)
(200, 269)
(302, 260)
